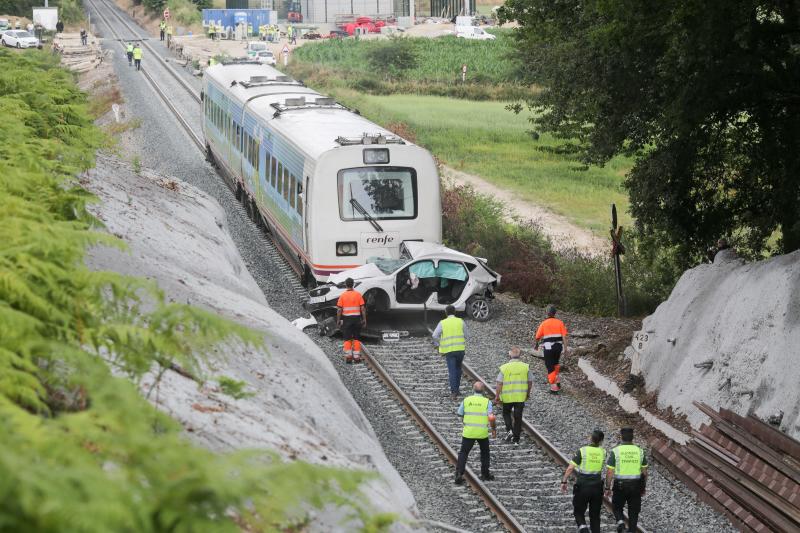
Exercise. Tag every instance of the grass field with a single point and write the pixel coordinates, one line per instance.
(438, 60)
(484, 138)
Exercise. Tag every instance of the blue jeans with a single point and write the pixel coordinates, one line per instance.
(454, 360)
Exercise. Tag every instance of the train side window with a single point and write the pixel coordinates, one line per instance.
(267, 157)
(292, 191)
(280, 178)
(299, 198)
(274, 173)
(285, 184)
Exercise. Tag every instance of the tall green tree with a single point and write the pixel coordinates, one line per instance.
(705, 95)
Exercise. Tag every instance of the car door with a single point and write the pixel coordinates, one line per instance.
(414, 284)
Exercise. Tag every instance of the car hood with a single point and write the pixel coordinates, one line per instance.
(365, 271)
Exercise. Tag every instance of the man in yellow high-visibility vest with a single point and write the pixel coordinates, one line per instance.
(476, 410)
(514, 384)
(627, 469)
(588, 489)
(450, 337)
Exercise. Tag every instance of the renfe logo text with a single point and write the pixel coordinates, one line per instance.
(380, 239)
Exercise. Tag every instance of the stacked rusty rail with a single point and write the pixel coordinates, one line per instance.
(742, 467)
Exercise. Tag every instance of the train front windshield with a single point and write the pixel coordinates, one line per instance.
(383, 193)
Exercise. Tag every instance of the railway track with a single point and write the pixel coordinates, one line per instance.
(411, 380)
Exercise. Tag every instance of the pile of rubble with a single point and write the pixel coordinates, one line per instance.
(76, 56)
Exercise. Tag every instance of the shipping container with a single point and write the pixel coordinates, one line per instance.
(230, 17)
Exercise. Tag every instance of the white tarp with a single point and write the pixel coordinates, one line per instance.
(46, 16)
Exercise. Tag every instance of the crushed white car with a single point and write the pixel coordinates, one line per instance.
(426, 276)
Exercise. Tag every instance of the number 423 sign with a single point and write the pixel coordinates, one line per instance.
(640, 340)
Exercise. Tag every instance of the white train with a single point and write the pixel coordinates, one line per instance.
(334, 187)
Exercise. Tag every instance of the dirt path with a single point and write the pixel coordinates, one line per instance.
(563, 233)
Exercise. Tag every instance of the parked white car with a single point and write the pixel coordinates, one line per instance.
(254, 47)
(426, 276)
(18, 39)
(265, 57)
(474, 32)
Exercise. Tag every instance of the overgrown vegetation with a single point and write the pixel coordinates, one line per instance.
(415, 66)
(704, 95)
(80, 449)
(532, 269)
(182, 12)
(69, 11)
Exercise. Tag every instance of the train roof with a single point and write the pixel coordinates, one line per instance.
(312, 121)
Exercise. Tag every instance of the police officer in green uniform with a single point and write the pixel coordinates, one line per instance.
(588, 488)
(477, 413)
(627, 469)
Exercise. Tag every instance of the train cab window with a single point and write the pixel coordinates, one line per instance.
(386, 193)
(292, 190)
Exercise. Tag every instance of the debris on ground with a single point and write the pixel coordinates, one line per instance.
(75, 56)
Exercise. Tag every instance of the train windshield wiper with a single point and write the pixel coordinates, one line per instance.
(364, 213)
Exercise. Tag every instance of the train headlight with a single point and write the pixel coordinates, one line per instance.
(346, 248)
(374, 156)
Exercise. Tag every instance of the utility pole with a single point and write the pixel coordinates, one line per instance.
(617, 249)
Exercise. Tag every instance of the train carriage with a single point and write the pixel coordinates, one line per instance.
(333, 187)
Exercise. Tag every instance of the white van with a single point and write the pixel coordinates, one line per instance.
(473, 32)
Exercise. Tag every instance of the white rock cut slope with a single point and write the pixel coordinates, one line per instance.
(301, 409)
(744, 318)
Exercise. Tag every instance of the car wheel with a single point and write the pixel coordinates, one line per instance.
(478, 308)
(376, 300)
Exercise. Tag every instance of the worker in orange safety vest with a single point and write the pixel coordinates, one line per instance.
(552, 335)
(351, 316)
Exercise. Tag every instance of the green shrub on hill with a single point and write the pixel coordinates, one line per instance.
(532, 269)
(80, 449)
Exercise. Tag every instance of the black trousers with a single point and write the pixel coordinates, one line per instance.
(351, 328)
(162, 35)
(627, 492)
(138, 63)
(463, 453)
(588, 495)
(552, 356)
(516, 427)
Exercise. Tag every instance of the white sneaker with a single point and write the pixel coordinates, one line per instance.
(508, 437)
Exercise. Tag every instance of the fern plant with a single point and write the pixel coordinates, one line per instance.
(80, 449)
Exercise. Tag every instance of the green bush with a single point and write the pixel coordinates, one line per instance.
(80, 448)
(393, 57)
(477, 224)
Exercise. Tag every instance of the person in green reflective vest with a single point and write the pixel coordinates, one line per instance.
(450, 337)
(137, 56)
(162, 28)
(129, 53)
(627, 469)
(514, 384)
(476, 410)
(588, 489)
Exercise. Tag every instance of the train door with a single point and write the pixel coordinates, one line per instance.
(303, 201)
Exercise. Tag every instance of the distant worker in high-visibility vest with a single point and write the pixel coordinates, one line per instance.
(513, 388)
(450, 336)
(627, 471)
(129, 53)
(169, 34)
(137, 56)
(552, 335)
(476, 411)
(162, 28)
(351, 316)
(588, 489)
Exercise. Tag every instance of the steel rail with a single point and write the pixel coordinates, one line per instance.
(483, 492)
(113, 9)
(542, 441)
(196, 139)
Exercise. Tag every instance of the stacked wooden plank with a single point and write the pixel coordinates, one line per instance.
(76, 56)
(741, 466)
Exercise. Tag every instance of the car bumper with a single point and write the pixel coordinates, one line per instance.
(318, 307)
